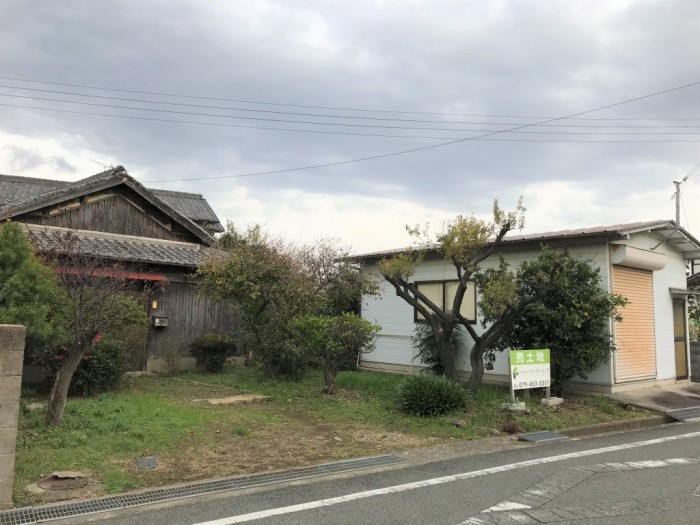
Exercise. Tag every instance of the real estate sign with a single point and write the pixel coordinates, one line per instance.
(529, 369)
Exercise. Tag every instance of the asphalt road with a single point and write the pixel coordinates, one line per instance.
(647, 476)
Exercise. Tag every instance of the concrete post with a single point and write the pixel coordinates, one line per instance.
(11, 357)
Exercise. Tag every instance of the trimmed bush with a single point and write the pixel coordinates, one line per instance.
(428, 395)
(211, 351)
(102, 368)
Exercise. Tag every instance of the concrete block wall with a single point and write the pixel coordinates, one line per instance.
(695, 360)
(11, 356)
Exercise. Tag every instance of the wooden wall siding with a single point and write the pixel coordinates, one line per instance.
(635, 358)
(113, 213)
(190, 315)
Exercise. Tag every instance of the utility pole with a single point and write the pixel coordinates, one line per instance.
(677, 195)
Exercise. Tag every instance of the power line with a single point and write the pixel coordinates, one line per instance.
(215, 99)
(347, 133)
(323, 115)
(344, 124)
(442, 144)
(689, 178)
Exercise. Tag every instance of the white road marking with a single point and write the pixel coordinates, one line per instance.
(242, 518)
(565, 480)
(506, 505)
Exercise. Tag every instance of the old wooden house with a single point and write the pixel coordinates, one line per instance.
(161, 237)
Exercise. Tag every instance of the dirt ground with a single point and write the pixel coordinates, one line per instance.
(301, 442)
(297, 447)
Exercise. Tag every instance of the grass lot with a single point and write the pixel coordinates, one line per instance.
(165, 417)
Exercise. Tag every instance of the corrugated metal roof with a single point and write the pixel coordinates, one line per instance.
(121, 247)
(16, 191)
(615, 230)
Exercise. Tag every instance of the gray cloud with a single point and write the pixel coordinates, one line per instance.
(542, 59)
(62, 165)
(22, 159)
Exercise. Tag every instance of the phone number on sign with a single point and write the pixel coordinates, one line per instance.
(531, 384)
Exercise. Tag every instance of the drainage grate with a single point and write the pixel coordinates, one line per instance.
(32, 515)
(685, 414)
(17, 517)
(539, 437)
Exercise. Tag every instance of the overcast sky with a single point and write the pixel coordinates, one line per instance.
(346, 80)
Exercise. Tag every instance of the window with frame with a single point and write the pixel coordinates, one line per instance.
(442, 293)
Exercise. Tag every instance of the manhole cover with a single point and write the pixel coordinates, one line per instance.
(63, 481)
(147, 463)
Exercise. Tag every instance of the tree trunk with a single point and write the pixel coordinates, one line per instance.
(447, 354)
(329, 374)
(476, 360)
(59, 390)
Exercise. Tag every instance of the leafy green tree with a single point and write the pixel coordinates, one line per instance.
(266, 282)
(572, 319)
(271, 282)
(331, 340)
(466, 243)
(29, 294)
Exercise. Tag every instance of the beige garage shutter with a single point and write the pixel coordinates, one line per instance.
(635, 358)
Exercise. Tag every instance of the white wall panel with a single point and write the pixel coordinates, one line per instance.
(396, 316)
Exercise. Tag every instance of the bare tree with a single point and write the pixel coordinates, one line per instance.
(336, 277)
(101, 296)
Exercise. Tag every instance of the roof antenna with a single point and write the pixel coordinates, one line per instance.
(105, 166)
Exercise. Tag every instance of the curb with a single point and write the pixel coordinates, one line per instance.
(182, 491)
(616, 426)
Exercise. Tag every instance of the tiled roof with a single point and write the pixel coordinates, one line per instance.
(15, 191)
(193, 206)
(121, 247)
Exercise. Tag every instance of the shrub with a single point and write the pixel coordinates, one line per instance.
(211, 351)
(101, 369)
(169, 350)
(425, 395)
(572, 319)
(426, 343)
(332, 340)
(511, 427)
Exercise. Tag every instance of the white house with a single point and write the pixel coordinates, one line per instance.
(644, 261)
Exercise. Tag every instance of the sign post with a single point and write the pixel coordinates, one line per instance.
(529, 369)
